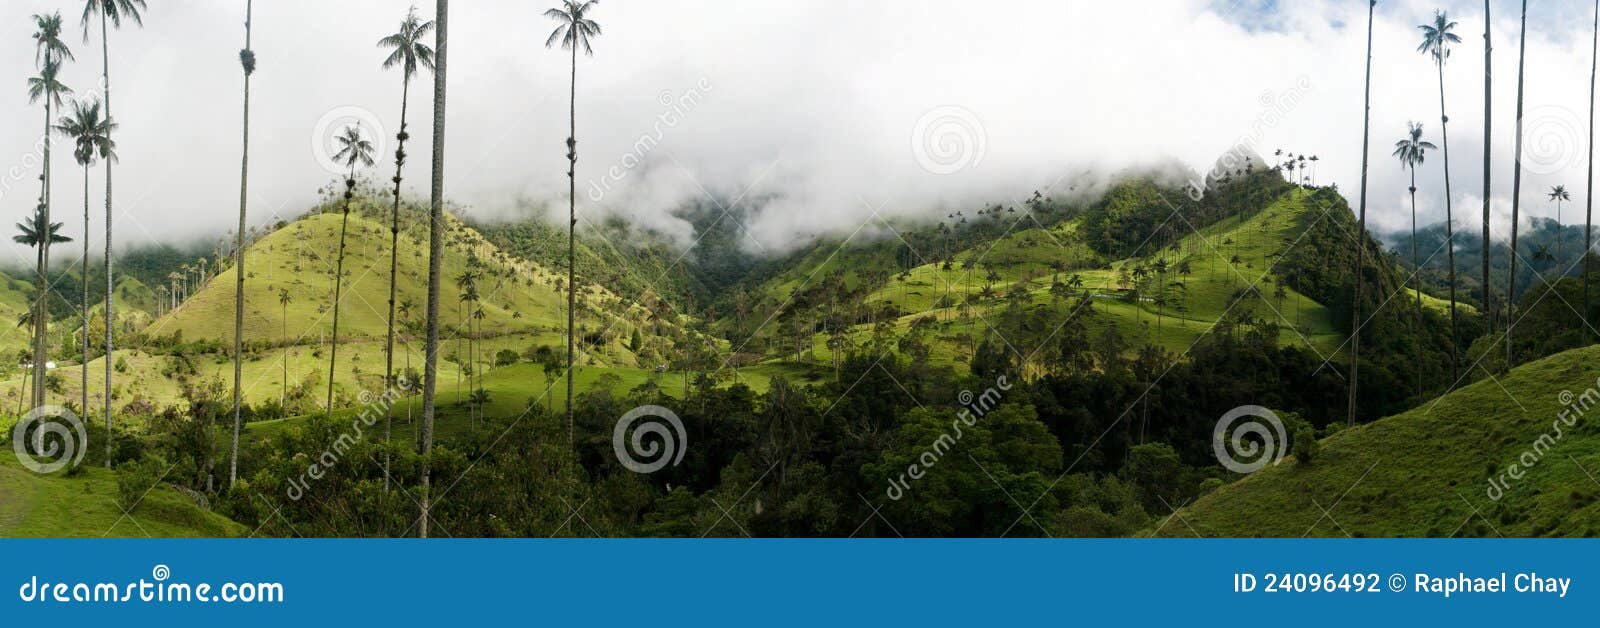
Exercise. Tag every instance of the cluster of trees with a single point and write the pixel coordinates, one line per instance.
(90, 132)
(1437, 41)
(1095, 444)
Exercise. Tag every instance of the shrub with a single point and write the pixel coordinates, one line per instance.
(136, 479)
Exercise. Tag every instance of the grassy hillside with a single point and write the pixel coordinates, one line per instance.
(301, 259)
(1169, 294)
(85, 505)
(1427, 472)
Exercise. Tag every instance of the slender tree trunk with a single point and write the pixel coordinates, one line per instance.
(1416, 285)
(338, 284)
(572, 225)
(283, 391)
(1588, 218)
(238, 267)
(1361, 230)
(394, 267)
(1488, 146)
(1516, 194)
(84, 378)
(105, 80)
(1449, 228)
(41, 325)
(430, 360)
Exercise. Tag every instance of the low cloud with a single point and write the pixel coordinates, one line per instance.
(815, 119)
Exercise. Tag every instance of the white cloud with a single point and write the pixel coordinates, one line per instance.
(811, 106)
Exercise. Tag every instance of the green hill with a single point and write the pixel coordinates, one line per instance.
(1168, 294)
(1428, 471)
(86, 505)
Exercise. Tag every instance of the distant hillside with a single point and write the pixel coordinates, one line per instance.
(1427, 472)
(518, 297)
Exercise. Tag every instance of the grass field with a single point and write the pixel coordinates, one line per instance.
(1427, 472)
(85, 505)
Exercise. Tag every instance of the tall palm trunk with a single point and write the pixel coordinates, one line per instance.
(84, 377)
(1516, 193)
(238, 266)
(1488, 145)
(105, 83)
(1449, 227)
(1416, 284)
(430, 358)
(572, 225)
(1361, 231)
(41, 307)
(1588, 217)
(394, 268)
(283, 390)
(338, 283)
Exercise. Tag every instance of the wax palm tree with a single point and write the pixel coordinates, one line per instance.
(284, 299)
(110, 13)
(1588, 214)
(1516, 193)
(91, 136)
(408, 53)
(1436, 41)
(354, 151)
(48, 88)
(575, 31)
(40, 233)
(247, 61)
(1411, 151)
(1560, 195)
(1361, 231)
(467, 284)
(1488, 146)
(430, 357)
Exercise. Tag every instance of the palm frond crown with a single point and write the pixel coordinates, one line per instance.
(574, 29)
(408, 49)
